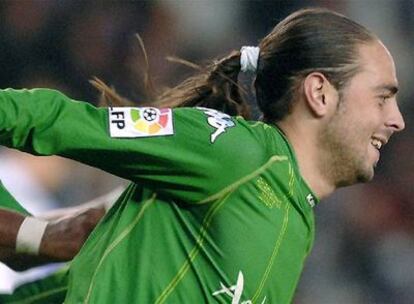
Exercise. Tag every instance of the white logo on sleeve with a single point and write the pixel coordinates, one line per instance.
(311, 200)
(218, 120)
(235, 291)
(140, 122)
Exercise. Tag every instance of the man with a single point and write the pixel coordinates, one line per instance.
(220, 208)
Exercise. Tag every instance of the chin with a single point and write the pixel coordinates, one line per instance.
(361, 176)
(365, 176)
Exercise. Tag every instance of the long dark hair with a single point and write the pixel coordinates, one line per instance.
(306, 41)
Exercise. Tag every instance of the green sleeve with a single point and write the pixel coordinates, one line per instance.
(198, 156)
(9, 202)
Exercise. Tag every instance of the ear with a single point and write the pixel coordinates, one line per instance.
(319, 95)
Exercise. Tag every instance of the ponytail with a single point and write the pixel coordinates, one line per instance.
(216, 87)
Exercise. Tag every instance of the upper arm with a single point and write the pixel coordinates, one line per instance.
(187, 153)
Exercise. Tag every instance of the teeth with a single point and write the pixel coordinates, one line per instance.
(376, 143)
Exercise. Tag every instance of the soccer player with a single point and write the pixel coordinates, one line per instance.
(220, 209)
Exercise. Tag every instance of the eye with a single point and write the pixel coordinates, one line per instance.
(383, 99)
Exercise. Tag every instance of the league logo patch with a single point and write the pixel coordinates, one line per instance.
(140, 122)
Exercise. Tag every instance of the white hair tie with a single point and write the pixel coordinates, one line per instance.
(249, 56)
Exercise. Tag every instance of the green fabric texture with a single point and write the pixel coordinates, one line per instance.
(216, 211)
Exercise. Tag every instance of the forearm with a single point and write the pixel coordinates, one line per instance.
(9, 227)
(26, 241)
(21, 261)
(61, 239)
(12, 253)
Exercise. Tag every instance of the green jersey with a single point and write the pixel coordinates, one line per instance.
(217, 211)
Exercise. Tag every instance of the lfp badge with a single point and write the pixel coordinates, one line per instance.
(140, 122)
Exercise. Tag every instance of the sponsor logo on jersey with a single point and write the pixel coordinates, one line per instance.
(266, 195)
(235, 292)
(219, 121)
(311, 200)
(140, 122)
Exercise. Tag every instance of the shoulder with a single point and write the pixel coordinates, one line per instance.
(219, 127)
(233, 138)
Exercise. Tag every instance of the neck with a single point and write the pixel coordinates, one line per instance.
(308, 155)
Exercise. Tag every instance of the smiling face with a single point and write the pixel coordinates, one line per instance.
(366, 117)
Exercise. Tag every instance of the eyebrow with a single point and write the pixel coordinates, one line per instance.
(393, 89)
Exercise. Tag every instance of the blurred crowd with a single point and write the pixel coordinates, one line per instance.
(364, 247)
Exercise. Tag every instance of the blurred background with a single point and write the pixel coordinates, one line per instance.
(364, 247)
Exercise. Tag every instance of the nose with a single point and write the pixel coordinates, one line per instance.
(395, 119)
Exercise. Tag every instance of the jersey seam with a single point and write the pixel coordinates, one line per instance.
(212, 211)
(94, 232)
(279, 239)
(117, 241)
(194, 252)
(241, 181)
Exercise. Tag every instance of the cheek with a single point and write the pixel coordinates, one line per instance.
(364, 121)
(354, 133)
(355, 123)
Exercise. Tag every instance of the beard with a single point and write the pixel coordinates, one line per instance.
(343, 157)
